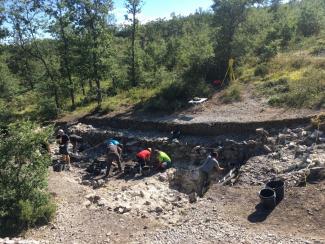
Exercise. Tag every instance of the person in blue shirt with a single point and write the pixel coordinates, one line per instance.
(114, 154)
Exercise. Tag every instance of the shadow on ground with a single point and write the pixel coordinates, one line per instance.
(260, 214)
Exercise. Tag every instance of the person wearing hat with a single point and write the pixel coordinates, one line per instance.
(63, 140)
(143, 157)
(114, 142)
(164, 161)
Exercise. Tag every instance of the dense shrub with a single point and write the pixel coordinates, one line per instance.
(274, 87)
(309, 92)
(23, 169)
(47, 109)
(261, 70)
(267, 51)
(232, 93)
(308, 23)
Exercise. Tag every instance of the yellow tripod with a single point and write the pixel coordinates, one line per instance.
(230, 71)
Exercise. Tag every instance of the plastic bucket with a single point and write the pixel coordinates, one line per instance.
(145, 170)
(268, 198)
(278, 187)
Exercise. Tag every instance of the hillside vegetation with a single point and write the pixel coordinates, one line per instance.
(277, 47)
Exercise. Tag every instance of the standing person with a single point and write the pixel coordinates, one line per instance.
(164, 161)
(113, 155)
(206, 169)
(143, 157)
(63, 146)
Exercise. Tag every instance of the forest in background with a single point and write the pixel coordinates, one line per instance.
(68, 55)
(63, 57)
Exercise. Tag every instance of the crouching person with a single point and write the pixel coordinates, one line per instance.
(114, 153)
(143, 157)
(206, 170)
(164, 161)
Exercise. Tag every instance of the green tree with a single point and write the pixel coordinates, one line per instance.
(91, 21)
(133, 7)
(23, 170)
(61, 29)
(229, 14)
(27, 20)
(308, 22)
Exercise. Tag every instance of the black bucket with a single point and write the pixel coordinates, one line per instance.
(59, 167)
(146, 170)
(268, 198)
(278, 187)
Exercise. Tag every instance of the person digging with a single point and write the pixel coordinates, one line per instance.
(143, 157)
(206, 170)
(114, 153)
(164, 161)
(63, 140)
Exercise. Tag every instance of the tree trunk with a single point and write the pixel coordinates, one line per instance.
(27, 75)
(90, 83)
(65, 57)
(133, 51)
(56, 97)
(83, 88)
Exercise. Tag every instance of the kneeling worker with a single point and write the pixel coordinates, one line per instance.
(163, 159)
(113, 155)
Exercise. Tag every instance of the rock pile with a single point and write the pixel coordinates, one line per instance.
(295, 154)
(144, 198)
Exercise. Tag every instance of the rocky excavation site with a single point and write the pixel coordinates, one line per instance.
(164, 207)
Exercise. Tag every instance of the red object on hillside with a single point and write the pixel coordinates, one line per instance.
(217, 82)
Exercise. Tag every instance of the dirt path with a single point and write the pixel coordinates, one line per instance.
(250, 109)
(157, 214)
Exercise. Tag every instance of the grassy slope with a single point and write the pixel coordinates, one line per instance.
(294, 78)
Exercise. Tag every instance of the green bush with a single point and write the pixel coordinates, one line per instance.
(176, 95)
(232, 93)
(23, 169)
(300, 63)
(261, 70)
(267, 51)
(308, 23)
(309, 92)
(47, 109)
(275, 100)
(275, 87)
